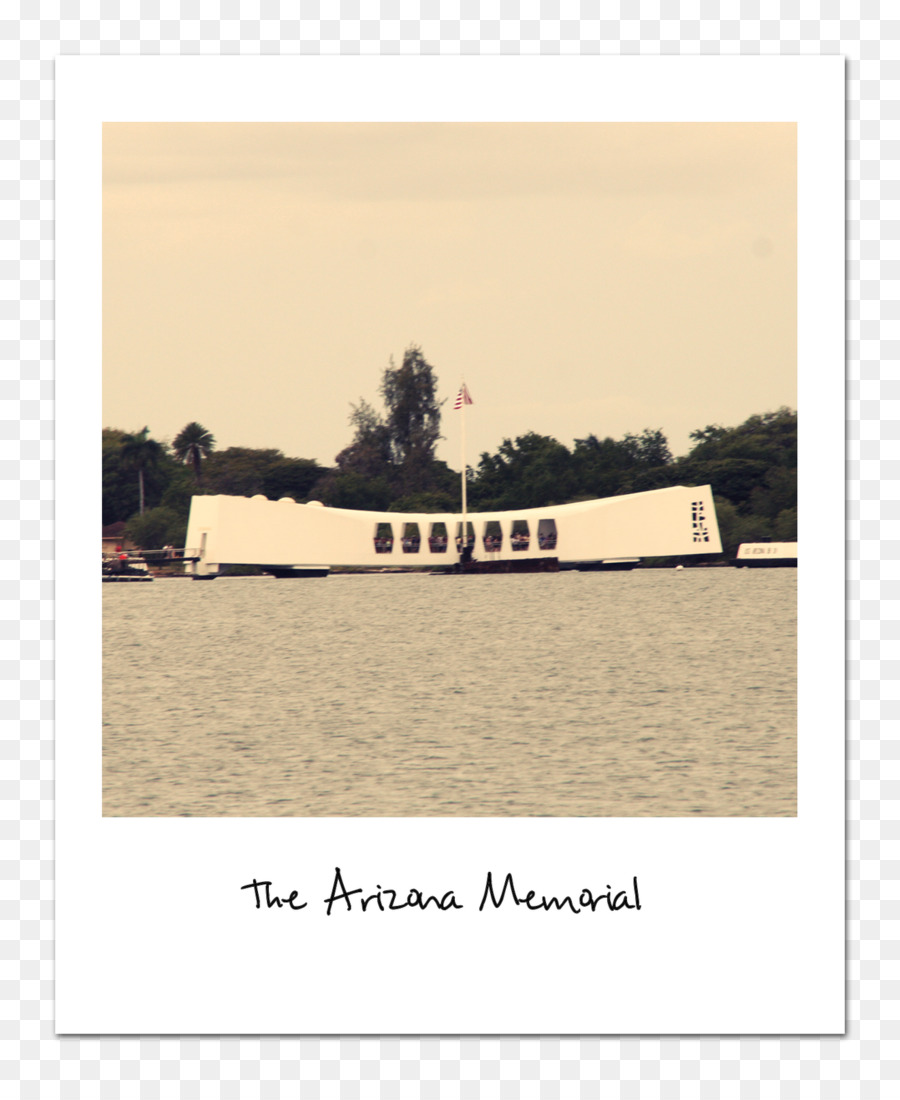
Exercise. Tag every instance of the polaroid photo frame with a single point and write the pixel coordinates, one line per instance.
(733, 925)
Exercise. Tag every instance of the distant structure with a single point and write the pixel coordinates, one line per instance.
(766, 555)
(293, 539)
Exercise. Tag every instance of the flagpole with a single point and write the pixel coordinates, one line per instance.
(463, 399)
(465, 534)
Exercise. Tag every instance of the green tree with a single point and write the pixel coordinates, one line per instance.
(413, 416)
(192, 444)
(601, 467)
(120, 495)
(777, 493)
(393, 450)
(650, 448)
(428, 501)
(532, 471)
(247, 471)
(768, 437)
(156, 528)
(354, 490)
(140, 452)
(291, 477)
(180, 488)
(785, 526)
(753, 465)
(441, 494)
(711, 434)
(369, 453)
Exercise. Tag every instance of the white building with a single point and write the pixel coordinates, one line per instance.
(766, 555)
(228, 530)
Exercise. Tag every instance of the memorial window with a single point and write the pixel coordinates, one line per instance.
(384, 538)
(520, 537)
(546, 533)
(437, 540)
(411, 540)
(470, 535)
(492, 537)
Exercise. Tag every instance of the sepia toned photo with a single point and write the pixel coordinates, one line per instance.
(449, 469)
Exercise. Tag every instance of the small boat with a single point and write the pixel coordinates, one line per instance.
(125, 569)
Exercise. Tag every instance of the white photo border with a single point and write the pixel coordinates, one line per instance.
(742, 929)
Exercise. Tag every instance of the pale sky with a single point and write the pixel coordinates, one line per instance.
(581, 277)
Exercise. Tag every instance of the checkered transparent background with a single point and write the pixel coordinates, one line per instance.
(33, 1062)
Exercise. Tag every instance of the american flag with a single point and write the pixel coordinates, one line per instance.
(462, 398)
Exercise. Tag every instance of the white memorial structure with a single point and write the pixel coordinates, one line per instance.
(284, 536)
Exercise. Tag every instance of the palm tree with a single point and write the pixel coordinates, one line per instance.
(141, 453)
(192, 444)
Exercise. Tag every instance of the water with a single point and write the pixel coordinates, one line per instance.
(650, 693)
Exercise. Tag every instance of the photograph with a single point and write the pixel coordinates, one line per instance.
(449, 469)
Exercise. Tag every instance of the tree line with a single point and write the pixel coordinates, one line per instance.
(390, 465)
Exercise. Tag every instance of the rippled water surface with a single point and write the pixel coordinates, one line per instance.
(651, 693)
